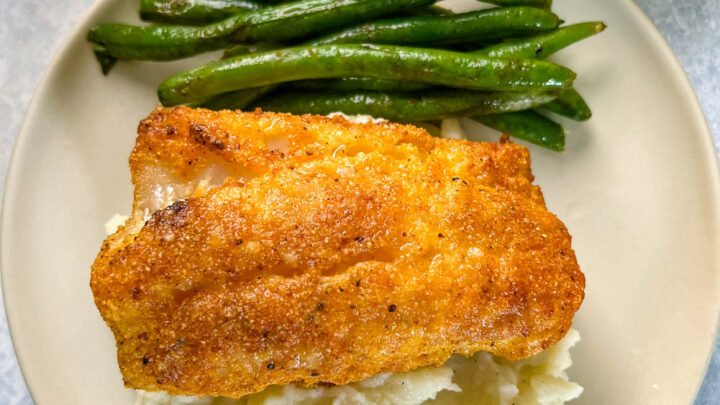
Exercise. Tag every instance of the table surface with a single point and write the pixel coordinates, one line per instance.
(692, 28)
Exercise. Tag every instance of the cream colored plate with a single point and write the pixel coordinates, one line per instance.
(637, 187)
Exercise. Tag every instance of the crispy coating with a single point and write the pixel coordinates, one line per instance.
(388, 254)
(185, 149)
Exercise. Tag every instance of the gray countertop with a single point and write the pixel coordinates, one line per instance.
(32, 30)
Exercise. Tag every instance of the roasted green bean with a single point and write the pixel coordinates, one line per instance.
(358, 83)
(570, 104)
(193, 12)
(236, 99)
(294, 20)
(106, 61)
(473, 26)
(527, 125)
(445, 68)
(543, 45)
(201, 12)
(539, 46)
(404, 107)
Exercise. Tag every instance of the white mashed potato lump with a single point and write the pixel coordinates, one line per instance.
(482, 379)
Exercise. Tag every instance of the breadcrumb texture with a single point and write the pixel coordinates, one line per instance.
(482, 379)
(331, 253)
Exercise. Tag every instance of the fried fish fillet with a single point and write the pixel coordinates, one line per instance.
(335, 252)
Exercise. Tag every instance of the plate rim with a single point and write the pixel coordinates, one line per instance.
(11, 180)
(710, 154)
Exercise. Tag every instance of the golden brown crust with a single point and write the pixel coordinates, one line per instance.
(331, 269)
(185, 142)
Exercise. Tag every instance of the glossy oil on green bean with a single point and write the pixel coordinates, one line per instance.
(294, 20)
(529, 126)
(408, 34)
(570, 104)
(236, 100)
(193, 12)
(404, 107)
(358, 83)
(543, 45)
(538, 46)
(472, 26)
(444, 68)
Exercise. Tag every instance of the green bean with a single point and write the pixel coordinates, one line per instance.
(531, 3)
(193, 12)
(529, 126)
(248, 96)
(106, 61)
(539, 46)
(472, 26)
(543, 45)
(410, 30)
(201, 12)
(404, 107)
(570, 104)
(278, 23)
(358, 83)
(242, 98)
(126, 42)
(445, 68)
(236, 100)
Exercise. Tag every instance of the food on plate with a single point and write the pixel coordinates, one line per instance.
(269, 249)
(528, 125)
(344, 94)
(570, 104)
(199, 12)
(431, 66)
(351, 48)
(471, 27)
(193, 12)
(400, 107)
(482, 379)
(281, 22)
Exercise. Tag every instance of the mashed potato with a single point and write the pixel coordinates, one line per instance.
(482, 379)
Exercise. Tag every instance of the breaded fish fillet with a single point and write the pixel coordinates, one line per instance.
(352, 250)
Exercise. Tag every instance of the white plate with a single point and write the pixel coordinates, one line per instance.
(637, 187)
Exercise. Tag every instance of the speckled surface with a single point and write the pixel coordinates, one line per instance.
(32, 30)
